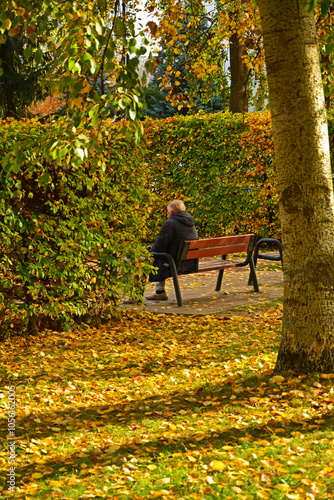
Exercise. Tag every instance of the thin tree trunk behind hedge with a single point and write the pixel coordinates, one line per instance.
(239, 77)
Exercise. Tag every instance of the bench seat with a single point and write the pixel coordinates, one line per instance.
(215, 265)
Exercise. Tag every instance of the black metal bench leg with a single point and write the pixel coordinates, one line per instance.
(252, 276)
(177, 291)
(250, 280)
(219, 280)
(176, 284)
(220, 276)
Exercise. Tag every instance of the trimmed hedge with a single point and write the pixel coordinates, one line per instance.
(69, 230)
(221, 165)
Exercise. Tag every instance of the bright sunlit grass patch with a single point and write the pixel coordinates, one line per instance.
(173, 407)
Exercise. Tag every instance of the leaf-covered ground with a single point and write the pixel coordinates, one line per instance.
(171, 407)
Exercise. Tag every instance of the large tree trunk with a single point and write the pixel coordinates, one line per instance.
(239, 77)
(305, 185)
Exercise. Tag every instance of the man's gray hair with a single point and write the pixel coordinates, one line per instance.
(177, 206)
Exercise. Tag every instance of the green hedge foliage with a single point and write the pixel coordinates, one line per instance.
(221, 165)
(70, 230)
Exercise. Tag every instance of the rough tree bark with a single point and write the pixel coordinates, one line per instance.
(305, 185)
(239, 77)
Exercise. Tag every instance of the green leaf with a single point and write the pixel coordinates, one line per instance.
(132, 114)
(76, 162)
(119, 27)
(98, 28)
(86, 57)
(310, 5)
(46, 178)
(327, 91)
(80, 153)
(28, 52)
(63, 152)
(93, 66)
(325, 5)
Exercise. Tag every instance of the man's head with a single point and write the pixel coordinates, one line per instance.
(174, 207)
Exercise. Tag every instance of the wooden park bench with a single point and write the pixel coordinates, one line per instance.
(213, 247)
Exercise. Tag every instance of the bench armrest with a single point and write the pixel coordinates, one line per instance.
(169, 258)
(173, 269)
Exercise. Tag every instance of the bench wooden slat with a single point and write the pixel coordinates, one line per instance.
(216, 265)
(221, 241)
(269, 255)
(211, 252)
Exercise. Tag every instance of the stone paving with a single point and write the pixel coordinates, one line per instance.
(200, 298)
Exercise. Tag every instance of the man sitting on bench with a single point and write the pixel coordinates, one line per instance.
(179, 226)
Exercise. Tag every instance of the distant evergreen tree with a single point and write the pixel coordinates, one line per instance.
(159, 107)
(155, 96)
(19, 81)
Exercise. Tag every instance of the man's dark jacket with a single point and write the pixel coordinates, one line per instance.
(176, 229)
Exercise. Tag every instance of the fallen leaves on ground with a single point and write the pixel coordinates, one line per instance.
(176, 407)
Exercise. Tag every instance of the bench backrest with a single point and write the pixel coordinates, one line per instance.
(210, 247)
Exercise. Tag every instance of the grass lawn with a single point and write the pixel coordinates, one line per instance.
(171, 407)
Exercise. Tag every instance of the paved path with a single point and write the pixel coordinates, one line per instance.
(200, 298)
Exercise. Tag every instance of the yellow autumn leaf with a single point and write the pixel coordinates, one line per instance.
(306, 481)
(282, 487)
(236, 489)
(73, 481)
(262, 494)
(7, 24)
(36, 475)
(159, 493)
(277, 379)
(164, 480)
(217, 465)
(47, 470)
(55, 484)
